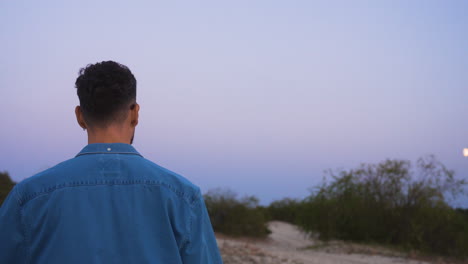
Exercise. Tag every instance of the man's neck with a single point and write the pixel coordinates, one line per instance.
(109, 135)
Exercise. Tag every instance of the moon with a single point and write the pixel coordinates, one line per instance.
(465, 152)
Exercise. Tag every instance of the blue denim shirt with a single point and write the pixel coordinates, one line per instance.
(106, 205)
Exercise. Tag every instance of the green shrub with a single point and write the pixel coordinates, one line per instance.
(236, 217)
(6, 184)
(286, 210)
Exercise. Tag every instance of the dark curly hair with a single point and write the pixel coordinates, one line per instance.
(105, 89)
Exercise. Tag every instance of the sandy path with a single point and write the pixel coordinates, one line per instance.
(286, 245)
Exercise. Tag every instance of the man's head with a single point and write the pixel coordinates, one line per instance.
(107, 93)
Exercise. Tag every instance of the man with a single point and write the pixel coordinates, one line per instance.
(108, 204)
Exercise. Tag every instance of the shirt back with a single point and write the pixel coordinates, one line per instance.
(106, 205)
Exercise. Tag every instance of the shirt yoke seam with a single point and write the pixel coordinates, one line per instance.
(190, 200)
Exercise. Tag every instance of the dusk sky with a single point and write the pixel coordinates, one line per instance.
(257, 96)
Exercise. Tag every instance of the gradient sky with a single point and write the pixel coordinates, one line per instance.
(257, 96)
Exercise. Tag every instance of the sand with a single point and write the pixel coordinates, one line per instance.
(286, 244)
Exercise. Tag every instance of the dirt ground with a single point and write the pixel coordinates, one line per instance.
(286, 244)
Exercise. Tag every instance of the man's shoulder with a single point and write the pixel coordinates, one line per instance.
(42, 181)
(72, 173)
(170, 179)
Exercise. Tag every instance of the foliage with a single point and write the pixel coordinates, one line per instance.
(6, 184)
(286, 210)
(236, 217)
(463, 211)
(390, 203)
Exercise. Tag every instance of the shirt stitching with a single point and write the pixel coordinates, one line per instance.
(186, 242)
(34, 195)
(24, 229)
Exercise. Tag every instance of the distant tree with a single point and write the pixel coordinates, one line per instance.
(6, 184)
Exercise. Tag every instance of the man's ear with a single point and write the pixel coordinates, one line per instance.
(79, 117)
(134, 114)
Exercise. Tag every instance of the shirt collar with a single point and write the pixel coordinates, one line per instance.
(108, 148)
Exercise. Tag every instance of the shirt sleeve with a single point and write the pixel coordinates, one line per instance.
(202, 246)
(11, 232)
